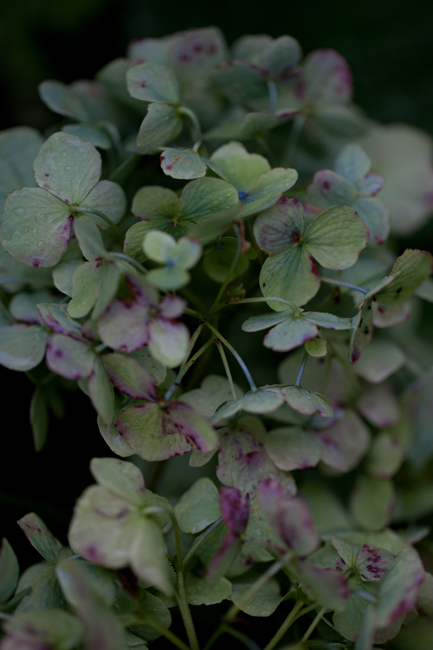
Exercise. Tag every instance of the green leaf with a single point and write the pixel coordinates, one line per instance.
(381, 359)
(200, 592)
(413, 267)
(198, 507)
(63, 274)
(67, 167)
(316, 347)
(153, 203)
(240, 168)
(22, 347)
(119, 477)
(101, 391)
(349, 621)
(352, 162)
(399, 587)
(69, 357)
(62, 99)
(336, 237)
(40, 537)
(372, 502)
(9, 571)
(9, 181)
(182, 163)
(89, 238)
(36, 227)
(152, 82)
(52, 628)
(161, 125)
(263, 603)
(306, 402)
(292, 448)
(243, 83)
(39, 418)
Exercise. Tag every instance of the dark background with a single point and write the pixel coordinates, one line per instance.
(389, 46)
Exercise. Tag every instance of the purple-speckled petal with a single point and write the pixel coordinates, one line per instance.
(289, 517)
(372, 562)
(69, 358)
(235, 509)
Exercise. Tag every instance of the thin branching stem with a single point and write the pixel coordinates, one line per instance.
(235, 354)
(301, 369)
(347, 285)
(290, 619)
(229, 273)
(180, 594)
(130, 260)
(227, 369)
(200, 540)
(313, 625)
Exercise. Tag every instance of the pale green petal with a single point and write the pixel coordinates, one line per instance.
(89, 238)
(168, 341)
(152, 82)
(110, 199)
(36, 227)
(121, 478)
(161, 125)
(290, 334)
(22, 347)
(153, 202)
(307, 402)
(89, 133)
(62, 99)
(336, 237)
(67, 167)
(63, 274)
(372, 502)
(239, 167)
(206, 196)
(280, 227)
(101, 391)
(292, 448)
(291, 275)
(198, 507)
(159, 246)
(182, 163)
(352, 162)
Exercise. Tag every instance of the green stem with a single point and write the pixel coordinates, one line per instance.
(273, 96)
(258, 584)
(235, 354)
(215, 636)
(130, 261)
(249, 643)
(227, 369)
(313, 625)
(289, 303)
(196, 128)
(183, 368)
(347, 285)
(81, 209)
(123, 166)
(193, 312)
(199, 540)
(181, 594)
(291, 618)
(148, 620)
(229, 273)
(301, 369)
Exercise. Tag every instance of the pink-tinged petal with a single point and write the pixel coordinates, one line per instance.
(235, 509)
(182, 418)
(141, 290)
(289, 517)
(234, 443)
(130, 377)
(149, 430)
(57, 320)
(124, 325)
(371, 184)
(69, 358)
(379, 405)
(254, 467)
(372, 562)
(386, 315)
(168, 341)
(329, 587)
(171, 307)
(344, 442)
(327, 78)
